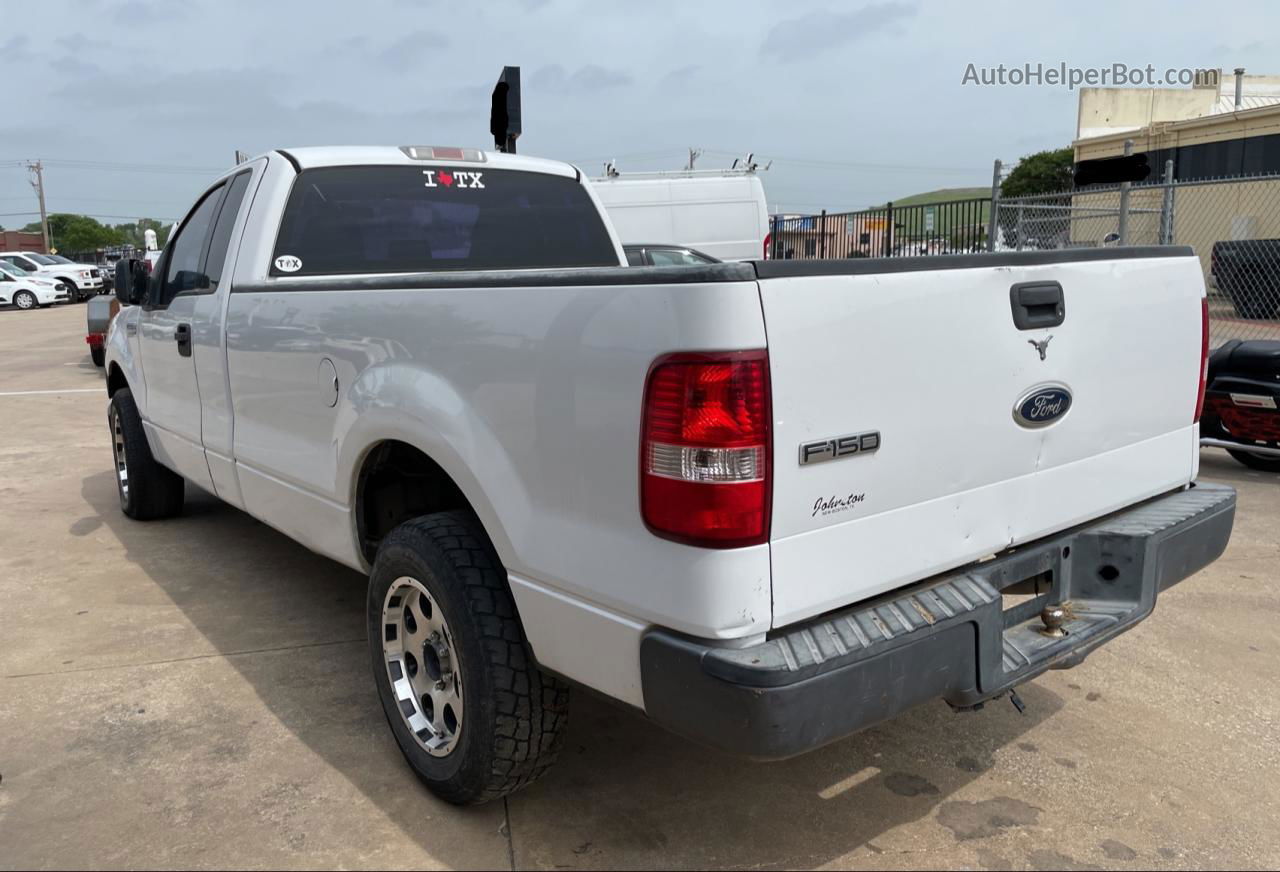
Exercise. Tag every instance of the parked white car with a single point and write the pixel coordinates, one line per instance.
(930, 477)
(82, 280)
(718, 212)
(21, 289)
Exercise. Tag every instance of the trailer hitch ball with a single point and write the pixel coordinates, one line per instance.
(1053, 616)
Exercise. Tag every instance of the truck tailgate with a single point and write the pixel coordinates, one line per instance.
(925, 352)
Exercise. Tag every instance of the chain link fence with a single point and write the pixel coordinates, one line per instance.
(1233, 225)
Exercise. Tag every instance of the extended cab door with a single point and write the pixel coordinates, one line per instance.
(182, 313)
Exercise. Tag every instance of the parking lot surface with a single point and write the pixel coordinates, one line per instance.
(197, 693)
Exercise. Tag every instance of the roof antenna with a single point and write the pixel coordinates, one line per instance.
(504, 110)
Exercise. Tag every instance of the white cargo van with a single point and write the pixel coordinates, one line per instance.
(720, 212)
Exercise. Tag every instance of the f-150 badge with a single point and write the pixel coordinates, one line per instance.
(840, 446)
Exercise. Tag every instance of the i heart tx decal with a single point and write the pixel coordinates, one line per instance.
(453, 178)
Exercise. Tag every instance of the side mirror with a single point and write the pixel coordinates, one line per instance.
(131, 281)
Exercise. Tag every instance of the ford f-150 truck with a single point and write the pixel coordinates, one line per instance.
(767, 504)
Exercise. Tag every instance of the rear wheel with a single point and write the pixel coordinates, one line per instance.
(472, 714)
(98, 355)
(147, 490)
(25, 300)
(1255, 461)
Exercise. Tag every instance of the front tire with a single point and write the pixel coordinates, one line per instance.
(147, 490)
(25, 300)
(472, 714)
(1255, 461)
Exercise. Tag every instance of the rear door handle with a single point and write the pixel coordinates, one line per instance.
(1037, 304)
(182, 335)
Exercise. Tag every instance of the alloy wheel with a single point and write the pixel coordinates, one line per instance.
(422, 665)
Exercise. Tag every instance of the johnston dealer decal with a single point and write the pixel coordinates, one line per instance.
(831, 505)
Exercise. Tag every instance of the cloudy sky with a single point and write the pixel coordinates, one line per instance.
(134, 106)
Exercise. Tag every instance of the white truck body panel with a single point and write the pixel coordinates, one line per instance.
(723, 216)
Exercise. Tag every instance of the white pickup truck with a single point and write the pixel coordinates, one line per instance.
(82, 280)
(767, 504)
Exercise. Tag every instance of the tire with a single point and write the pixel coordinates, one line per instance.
(1255, 461)
(441, 569)
(25, 300)
(98, 355)
(147, 490)
(1249, 306)
(1254, 296)
(73, 291)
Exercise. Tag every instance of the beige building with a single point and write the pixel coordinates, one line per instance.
(1106, 111)
(1209, 135)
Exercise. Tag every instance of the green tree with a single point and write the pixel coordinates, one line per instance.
(71, 232)
(133, 232)
(1045, 172)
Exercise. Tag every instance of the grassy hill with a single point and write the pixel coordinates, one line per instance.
(912, 222)
(940, 196)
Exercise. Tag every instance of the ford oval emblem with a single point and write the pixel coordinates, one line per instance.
(1042, 405)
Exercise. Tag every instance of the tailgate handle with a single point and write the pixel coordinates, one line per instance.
(1037, 304)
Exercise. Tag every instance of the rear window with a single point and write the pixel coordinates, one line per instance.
(411, 219)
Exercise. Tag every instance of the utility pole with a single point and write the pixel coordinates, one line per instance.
(37, 181)
(694, 154)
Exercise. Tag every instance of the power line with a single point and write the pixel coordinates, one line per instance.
(114, 200)
(91, 215)
(833, 164)
(81, 164)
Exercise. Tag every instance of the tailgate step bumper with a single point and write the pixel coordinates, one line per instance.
(953, 637)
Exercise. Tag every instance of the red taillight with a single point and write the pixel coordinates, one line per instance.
(768, 238)
(1204, 358)
(704, 449)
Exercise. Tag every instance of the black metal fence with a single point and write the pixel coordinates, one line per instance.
(103, 257)
(949, 227)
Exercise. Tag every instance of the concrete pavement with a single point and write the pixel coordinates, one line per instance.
(196, 693)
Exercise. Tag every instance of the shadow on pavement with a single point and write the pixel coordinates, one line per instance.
(625, 792)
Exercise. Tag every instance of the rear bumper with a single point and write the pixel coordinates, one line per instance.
(949, 637)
